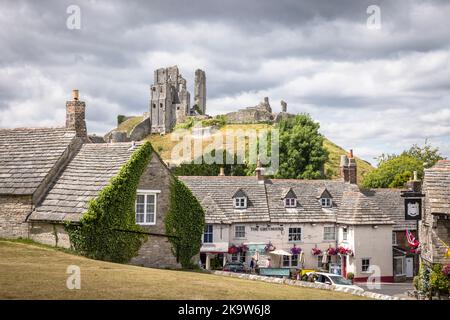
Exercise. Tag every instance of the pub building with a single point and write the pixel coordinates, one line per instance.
(329, 225)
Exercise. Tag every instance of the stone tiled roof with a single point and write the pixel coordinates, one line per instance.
(437, 187)
(350, 205)
(392, 204)
(82, 180)
(28, 155)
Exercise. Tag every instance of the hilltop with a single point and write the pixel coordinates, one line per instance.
(164, 144)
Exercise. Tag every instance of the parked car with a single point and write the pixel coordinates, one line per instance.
(333, 279)
(235, 267)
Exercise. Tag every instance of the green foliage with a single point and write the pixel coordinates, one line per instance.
(423, 281)
(218, 121)
(184, 223)
(197, 109)
(439, 282)
(187, 124)
(120, 118)
(350, 276)
(302, 154)
(394, 172)
(114, 208)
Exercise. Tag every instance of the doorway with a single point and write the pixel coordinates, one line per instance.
(409, 262)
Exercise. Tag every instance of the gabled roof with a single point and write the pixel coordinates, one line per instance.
(214, 213)
(437, 188)
(289, 194)
(27, 157)
(239, 194)
(324, 193)
(82, 180)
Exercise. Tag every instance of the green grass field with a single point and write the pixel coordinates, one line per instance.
(30, 271)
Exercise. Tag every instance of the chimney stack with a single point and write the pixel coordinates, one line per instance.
(222, 172)
(76, 116)
(348, 168)
(258, 172)
(415, 184)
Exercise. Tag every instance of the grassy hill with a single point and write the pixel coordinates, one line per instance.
(30, 271)
(164, 144)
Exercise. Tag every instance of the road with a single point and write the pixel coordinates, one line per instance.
(391, 289)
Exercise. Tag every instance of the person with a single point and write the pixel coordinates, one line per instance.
(268, 263)
(252, 265)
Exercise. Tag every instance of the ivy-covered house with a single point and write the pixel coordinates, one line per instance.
(59, 188)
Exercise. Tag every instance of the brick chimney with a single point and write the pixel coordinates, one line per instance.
(258, 172)
(75, 116)
(222, 172)
(348, 168)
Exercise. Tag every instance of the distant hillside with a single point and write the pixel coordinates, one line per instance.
(164, 144)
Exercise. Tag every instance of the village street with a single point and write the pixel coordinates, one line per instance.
(391, 289)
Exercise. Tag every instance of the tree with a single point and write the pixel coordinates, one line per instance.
(394, 172)
(426, 154)
(302, 154)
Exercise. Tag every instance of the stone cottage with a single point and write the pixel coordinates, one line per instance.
(312, 215)
(48, 176)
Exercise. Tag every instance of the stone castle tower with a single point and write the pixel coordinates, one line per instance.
(200, 90)
(170, 100)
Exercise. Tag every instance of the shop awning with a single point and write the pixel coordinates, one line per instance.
(280, 252)
(214, 247)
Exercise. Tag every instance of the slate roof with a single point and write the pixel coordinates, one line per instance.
(350, 205)
(82, 180)
(437, 187)
(27, 156)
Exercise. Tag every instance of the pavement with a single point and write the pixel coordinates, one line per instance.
(392, 289)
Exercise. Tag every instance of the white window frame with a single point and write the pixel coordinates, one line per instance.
(326, 202)
(394, 238)
(403, 266)
(295, 235)
(345, 234)
(290, 202)
(146, 193)
(240, 202)
(241, 231)
(325, 238)
(362, 265)
(289, 260)
(211, 233)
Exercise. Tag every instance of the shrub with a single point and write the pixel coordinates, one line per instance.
(439, 282)
(350, 276)
(120, 118)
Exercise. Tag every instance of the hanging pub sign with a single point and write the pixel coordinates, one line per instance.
(413, 209)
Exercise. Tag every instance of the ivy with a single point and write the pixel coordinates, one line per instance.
(96, 235)
(184, 223)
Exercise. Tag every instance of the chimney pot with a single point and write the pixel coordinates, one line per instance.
(351, 153)
(222, 172)
(75, 94)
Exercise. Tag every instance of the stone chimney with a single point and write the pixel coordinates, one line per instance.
(348, 168)
(415, 184)
(76, 116)
(222, 172)
(258, 172)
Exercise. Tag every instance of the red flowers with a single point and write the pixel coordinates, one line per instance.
(344, 251)
(446, 270)
(316, 251)
(332, 251)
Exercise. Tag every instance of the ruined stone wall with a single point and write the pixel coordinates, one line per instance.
(50, 234)
(13, 212)
(156, 252)
(200, 90)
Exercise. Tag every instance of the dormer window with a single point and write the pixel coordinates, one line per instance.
(290, 202)
(240, 199)
(326, 202)
(290, 198)
(240, 203)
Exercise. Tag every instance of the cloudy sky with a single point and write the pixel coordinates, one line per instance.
(373, 90)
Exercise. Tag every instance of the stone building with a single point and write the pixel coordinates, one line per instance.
(309, 214)
(259, 113)
(49, 175)
(170, 99)
(434, 228)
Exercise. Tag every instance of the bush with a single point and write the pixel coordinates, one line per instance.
(350, 276)
(114, 208)
(439, 282)
(120, 118)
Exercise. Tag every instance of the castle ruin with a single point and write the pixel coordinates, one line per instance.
(170, 99)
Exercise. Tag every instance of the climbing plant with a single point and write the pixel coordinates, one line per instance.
(184, 223)
(97, 235)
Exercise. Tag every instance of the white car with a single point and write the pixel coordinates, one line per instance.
(334, 279)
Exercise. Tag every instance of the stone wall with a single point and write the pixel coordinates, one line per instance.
(156, 252)
(50, 234)
(13, 212)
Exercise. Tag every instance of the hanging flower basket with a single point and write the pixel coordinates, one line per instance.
(269, 247)
(332, 251)
(446, 270)
(295, 250)
(345, 252)
(316, 251)
(243, 248)
(233, 249)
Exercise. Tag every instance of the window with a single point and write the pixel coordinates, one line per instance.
(238, 257)
(399, 265)
(239, 231)
(320, 263)
(154, 106)
(146, 209)
(290, 202)
(286, 261)
(365, 264)
(295, 234)
(161, 105)
(294, 260)
(329, 233)
(325, 202)
(240, 203)
(394, 239)
(208, 234)
(344, 234)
